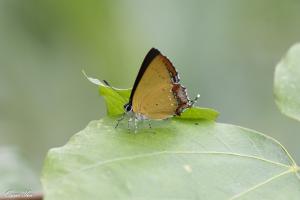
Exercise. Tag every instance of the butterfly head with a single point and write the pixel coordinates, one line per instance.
(128, 107)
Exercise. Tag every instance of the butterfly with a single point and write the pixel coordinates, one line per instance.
(157, 93)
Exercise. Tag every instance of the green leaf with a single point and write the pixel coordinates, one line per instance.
(16, 177)
(287, 83)
(114, 98)
(178, 159)
(196, 113)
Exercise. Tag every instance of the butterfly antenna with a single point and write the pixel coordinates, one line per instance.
(106, 83)
(119, 120)
(192, 102)
(114, 89)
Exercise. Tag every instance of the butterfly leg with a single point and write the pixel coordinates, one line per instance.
(149, 123)
(128, 124)
(119, 120)
(135, 125)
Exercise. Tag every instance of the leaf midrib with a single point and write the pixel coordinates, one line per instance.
(183, 152)
(139, 156)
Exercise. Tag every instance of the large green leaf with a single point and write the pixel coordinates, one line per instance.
(174, 160)
(182, 158)
(287, 83)
(16, 176)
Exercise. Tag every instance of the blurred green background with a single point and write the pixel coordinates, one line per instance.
(224, 50)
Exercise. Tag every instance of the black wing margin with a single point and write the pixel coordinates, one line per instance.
(147, 60)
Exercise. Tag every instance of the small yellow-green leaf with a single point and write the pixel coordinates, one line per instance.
(115, 99)
(198, 113)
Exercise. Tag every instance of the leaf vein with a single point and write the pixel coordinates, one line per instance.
(260, 184)
(225, 144)
(98, 164)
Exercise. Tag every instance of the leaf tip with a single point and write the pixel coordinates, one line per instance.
(92, 80)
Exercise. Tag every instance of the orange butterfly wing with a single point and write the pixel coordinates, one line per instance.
(158, 94)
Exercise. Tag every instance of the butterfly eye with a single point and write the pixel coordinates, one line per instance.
(127, 107)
